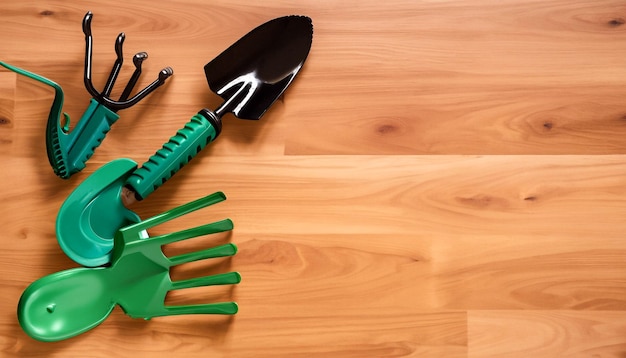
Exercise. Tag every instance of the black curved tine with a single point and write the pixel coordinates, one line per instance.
(104, 96)
(163, 75)
(117, 66)
(137, 61)
(88, 54)
(118, 105)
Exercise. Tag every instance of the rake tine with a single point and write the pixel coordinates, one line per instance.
(137, 61)
(209, 308)
(164, 74)
(207, 229)
(214, 252)
(118, 105)
(178, 211)
(230, 278)
(103, 97)
(115, 71)
(88, 55)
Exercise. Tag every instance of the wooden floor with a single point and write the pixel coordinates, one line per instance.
(443, 179)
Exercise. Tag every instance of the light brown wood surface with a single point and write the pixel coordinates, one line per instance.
(443, 179)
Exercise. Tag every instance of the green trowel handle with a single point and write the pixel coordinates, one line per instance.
(201, 130)
(83, 140)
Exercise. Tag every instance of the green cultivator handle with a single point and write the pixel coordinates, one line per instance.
(201, 130)
(69, 151)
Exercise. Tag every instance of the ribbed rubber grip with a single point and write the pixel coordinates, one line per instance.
(201, 130)
(89, 133)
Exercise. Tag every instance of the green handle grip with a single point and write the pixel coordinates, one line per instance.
(83, 140)
(201, 130)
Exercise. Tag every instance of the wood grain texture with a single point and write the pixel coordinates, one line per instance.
(546, 334)
(444, 178)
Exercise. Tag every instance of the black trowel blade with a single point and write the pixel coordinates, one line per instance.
(261, 65)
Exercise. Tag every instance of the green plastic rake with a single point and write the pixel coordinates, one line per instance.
(71, 302)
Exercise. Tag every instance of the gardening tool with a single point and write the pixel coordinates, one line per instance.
(250, 75)
(69, 151)
(68, 303)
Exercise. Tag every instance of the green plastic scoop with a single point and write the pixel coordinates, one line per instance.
(250, 75)
(71, 302)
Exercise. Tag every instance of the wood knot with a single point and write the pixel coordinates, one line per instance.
(4, 120)
(483, 201)
(548, 125)
(386, 128)
(46, 13)
(530, 198)
(618, 21)
(389, 126)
